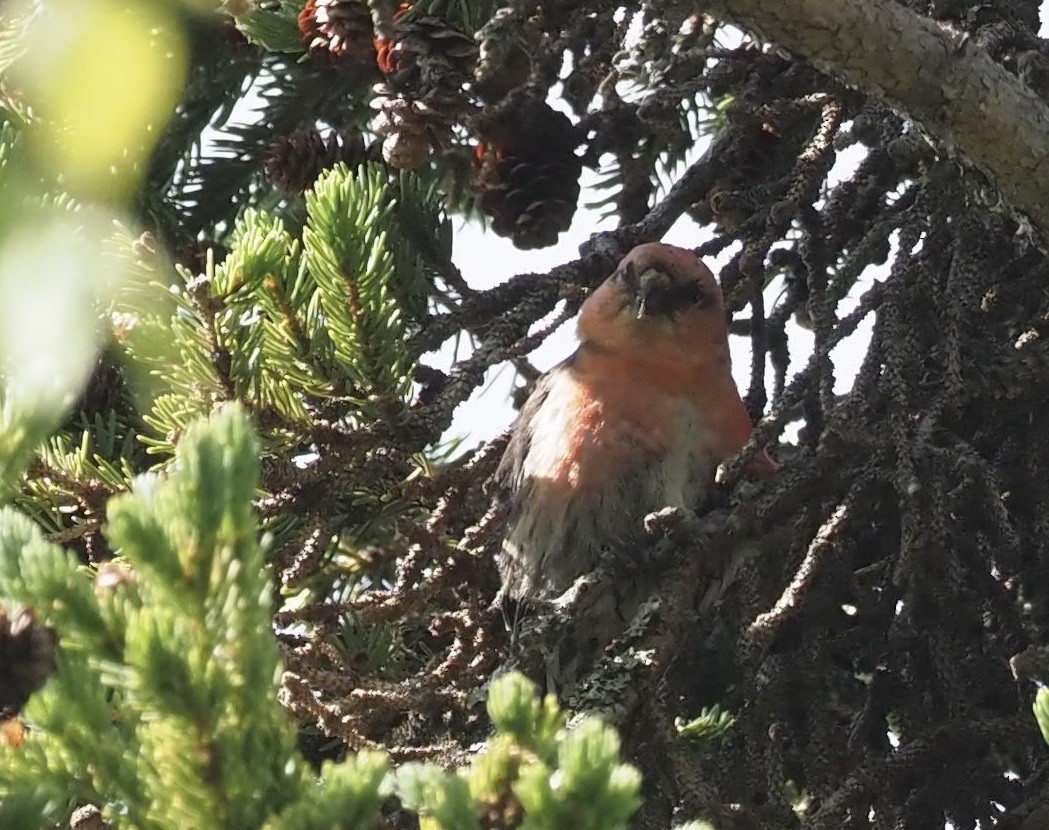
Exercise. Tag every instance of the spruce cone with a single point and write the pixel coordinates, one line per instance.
(88, 817)
(730, 203)
(339, 31)
(507, 43)
(413, 130)
(529, 173)
(294, 161)
(426, 54)
(426, 63)
(27, 658)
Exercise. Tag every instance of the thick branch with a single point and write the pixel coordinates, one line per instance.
(935, 75)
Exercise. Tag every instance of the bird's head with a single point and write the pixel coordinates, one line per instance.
(660, 297)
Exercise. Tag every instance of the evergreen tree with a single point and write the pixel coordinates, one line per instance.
(246, 583)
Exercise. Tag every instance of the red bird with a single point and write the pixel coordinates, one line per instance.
(636, 420)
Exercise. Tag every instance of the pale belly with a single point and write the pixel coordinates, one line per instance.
(587, 485)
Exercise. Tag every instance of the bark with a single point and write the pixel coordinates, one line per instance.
(936, 75)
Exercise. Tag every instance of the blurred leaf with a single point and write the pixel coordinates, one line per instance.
(437, 794)
(106, 76)
(55, 283)
(12, 34)
(516, 709)
(1041, 712)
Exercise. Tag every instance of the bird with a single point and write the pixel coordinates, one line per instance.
(637, 419)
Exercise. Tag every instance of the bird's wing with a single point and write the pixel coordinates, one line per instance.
(507, 479)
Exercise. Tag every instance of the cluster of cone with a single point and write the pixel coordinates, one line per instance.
(439, 89)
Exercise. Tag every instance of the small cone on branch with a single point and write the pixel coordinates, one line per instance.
(88, 817)
(27, 658)
(294, 161)
(426, 53)
(729, 204)
(413, 130)
(338, 31)
(507, 43)
(528, 179)
(426, 64)
(12, 732)
(410, 135)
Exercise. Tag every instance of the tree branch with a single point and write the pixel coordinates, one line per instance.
(936, 75)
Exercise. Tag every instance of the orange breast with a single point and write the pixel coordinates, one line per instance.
(612, 424)
(592, 424)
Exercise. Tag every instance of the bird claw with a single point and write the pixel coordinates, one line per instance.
(675, 524)
(666, 522)
(574, 593)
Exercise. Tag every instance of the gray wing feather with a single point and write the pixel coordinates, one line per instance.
(507, 479)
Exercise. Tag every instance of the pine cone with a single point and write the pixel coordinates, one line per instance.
(88, 817)
(507, 43)
(339, 31)
(529, 173)
(426, 54)
(737, 195)
(27, 658)
(294, 161)
(426, 62)
(413, 130)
